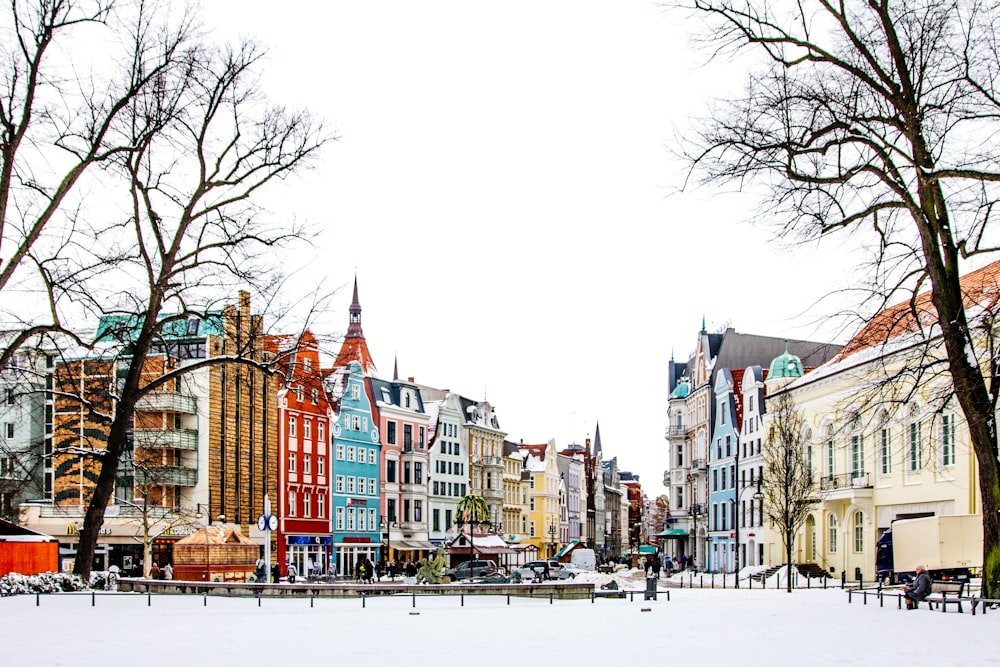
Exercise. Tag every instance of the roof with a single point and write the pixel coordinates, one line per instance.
(910, 322)
(11, 532)
(120, 328)
(217, 534)
(354, 347)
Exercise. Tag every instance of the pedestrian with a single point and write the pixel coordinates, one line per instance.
(292, 573)
(168, 571)
(656, 567)
(684, 562)
(917, 590)
(647, 564)
(154, 572)
(369, 570)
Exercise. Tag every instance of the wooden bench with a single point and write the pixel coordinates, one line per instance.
(944, 593)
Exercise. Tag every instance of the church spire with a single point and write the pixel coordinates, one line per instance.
(597, 441)
(354, 327)
(395, 367)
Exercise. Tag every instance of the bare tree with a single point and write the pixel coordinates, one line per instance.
(205, 141)
(787, 486)
(876, 118)
(62, 106)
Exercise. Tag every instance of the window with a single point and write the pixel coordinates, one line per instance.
(715, 517)
(307, 429)
(418, 473)
(321, 431)
(307, 504)
(857, 456)
(832, 533)
(340, 452)
(435, 520)
(340, 484)
(321, 465)
(355, 392)
(406, 472)
(722, 413)
(729, 445)
(533, 529)
(372, 489)
(321, 506)
(390, 433)
(340, 518)
(307, 464)
(859, 532)
(372, 520)
(447, 519)
(291, 426)
(913, 447)
(361, 520)
(830, 469)
(947, 440)
(314, 396)
(884, 453)
(407, 435)
(10, 396)
(390, 471)
(299, 393)
(371, 456)
(350, 453)
(350, 518)
(307, 364)
(809, 465)
(291, 503)
(390, 509)
(406, 510)
(418, 510)
(356, 423)
(350, 484)
(420, 438)
(291, 461)
(715, 479)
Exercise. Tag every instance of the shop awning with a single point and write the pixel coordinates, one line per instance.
(413, 545)
(647, 549)
(672, 533)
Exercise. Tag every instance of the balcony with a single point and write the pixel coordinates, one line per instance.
(492, 494)
(167, 476)
(699, 465)
(157, 438)
(167, 401)
(676, 431)
(494, 461)
(696, 509)
(847, 485)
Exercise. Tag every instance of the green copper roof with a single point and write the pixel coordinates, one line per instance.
(682, 389)
(112, 328)
(786, 365)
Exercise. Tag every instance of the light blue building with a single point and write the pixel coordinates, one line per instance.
(356, 457)
(722, 461)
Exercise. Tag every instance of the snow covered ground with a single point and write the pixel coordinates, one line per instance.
(697, 627)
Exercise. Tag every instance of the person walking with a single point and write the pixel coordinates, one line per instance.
(168, 571)
(656, 567)
(292, 573)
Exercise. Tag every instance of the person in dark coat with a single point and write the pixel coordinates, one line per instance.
(656, 567)
(917, 590)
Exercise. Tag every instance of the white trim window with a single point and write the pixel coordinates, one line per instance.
(372, 489)
(291, 503)
(340, 452)
(321, 505)
(362, 524)
(307, 504)
(913, 462)
(340, 484)
(350, 453)
(372, 522)
(350, 518)
(321, 431)
(371, 456)
(350, 484)
(947, 440)
(307, 429)
(340, 518)
(292, 421)
(857, 456)
(291, 461)
(859, 532)
(355, 392)
(884, 452)
(832, 533)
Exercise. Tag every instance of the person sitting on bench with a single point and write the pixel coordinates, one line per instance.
(918, 589)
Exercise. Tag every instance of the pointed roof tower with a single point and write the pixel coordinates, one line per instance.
(597, 440)
(354, 347)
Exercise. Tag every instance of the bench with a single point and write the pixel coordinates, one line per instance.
(944, 593)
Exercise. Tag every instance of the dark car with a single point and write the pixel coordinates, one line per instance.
(471, 569)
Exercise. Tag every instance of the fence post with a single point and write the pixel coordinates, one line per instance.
(93, 598)
(414, 600)
(38, 599)
(463, 599)
(149, 598)
(205, 601)
(362, 600)
(843, 579)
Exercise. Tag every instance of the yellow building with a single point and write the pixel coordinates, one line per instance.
(543, 496)
(885, 437)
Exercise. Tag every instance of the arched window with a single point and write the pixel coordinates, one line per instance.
(914, 441)
(832, 533)
(859, 531)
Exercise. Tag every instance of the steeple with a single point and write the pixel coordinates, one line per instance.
(354, 347)
(354, 327)
(702, 321)
(597, 440)
(395, 367)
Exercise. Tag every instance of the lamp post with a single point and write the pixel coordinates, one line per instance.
(736, 524)
(552, 537)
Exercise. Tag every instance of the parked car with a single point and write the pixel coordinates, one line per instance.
(544, 570)
(471, 569)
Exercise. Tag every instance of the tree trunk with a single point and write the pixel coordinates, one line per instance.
(788, 559)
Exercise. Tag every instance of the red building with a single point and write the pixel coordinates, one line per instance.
(304, 463)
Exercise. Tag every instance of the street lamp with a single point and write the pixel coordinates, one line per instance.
(552, 537)
(758, 496)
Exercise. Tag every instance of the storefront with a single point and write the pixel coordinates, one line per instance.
(309, 553)
(350, 550)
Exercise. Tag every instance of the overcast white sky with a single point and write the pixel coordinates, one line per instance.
(502, 187)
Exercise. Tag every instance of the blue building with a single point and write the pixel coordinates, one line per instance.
(722, 459)
(356, 456)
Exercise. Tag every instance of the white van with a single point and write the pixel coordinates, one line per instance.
(583, 559)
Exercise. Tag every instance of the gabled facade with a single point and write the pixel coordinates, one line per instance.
(571, 470)
(356, 473)
(515, 494)
(402, 422)
(750, 468)
(723, 456)
(449, 464)
(481, 430)
(543, 497)
(304, 457)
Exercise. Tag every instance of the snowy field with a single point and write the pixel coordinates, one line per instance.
(697, 627)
